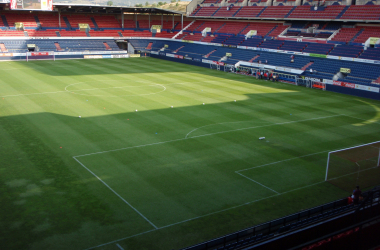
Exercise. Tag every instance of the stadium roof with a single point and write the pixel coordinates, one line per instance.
(87, 8)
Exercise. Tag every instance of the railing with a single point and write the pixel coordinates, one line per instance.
(269, 229)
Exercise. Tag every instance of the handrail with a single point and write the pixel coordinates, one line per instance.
(275, 226)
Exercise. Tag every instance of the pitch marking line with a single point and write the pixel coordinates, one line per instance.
(219, 211)
(257, 183)
(282, 161)
(116, 193)
(361, 119)
(34, 94)
(221, 124)
(70, 91)
(280, 123)
(237, 206)
(111, 242)
(181, 139)
(119, 247)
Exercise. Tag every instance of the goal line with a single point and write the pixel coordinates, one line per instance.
(360, 165)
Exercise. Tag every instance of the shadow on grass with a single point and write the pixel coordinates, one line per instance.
(64, 205)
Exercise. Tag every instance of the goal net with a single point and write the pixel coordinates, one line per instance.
(49, 55)
(355, 166)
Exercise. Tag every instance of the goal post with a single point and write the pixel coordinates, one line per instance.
(47, 55)
(359, 165)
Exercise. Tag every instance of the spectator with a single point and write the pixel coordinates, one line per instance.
(311, 71)
(265, 75)
(357, 194)
(349, 200)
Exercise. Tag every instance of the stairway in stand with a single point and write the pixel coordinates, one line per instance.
(254, 58)
(210, 53)
(58, 46)
(107, 46)
(3, 48)
(149, 46)
(306, 66)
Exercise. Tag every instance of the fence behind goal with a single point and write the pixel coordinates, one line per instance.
(355, 166)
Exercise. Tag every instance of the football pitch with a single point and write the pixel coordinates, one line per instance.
(143, 153)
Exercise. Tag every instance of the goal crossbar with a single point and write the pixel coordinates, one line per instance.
(355, 158)
(41, 55)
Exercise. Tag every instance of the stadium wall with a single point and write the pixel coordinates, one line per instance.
(329, 87)
(354, 92)
(190, 62)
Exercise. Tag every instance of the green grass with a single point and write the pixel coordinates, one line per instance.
(175, 176)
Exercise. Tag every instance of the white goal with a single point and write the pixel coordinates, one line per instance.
(47, 55)
(359, 165)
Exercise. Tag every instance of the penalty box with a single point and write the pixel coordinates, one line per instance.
(288, 175)
(177, 180)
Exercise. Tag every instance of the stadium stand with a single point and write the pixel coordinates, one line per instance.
(346, 50)
(347, 40)
(262, 28)
(233, 27)
(48, 20)
(362, 12)
(249, 11)
(371, 53)
(129, 24)
(105, 33)
(334, 225)
(368, 31)
(26, 18)
(346, 34)
(76, 33)
(306, 12)
(107, 22)
(227, 11)
(275, 11)
(361, 73)
(75, 20)
(318, 48)
(206, 11)
(42, 33)
(11, 33)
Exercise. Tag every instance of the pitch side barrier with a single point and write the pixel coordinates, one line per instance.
(297, 78)
(51, 55)
(285, 233)
(291, 77)
(257, 49)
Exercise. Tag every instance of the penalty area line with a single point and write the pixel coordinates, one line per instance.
(274, 124)
(198, 136)
(257, 182)
(119, 247)
(114, 241)
(113, 191)
(202, 216)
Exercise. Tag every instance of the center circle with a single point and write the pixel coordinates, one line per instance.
(114, 88)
